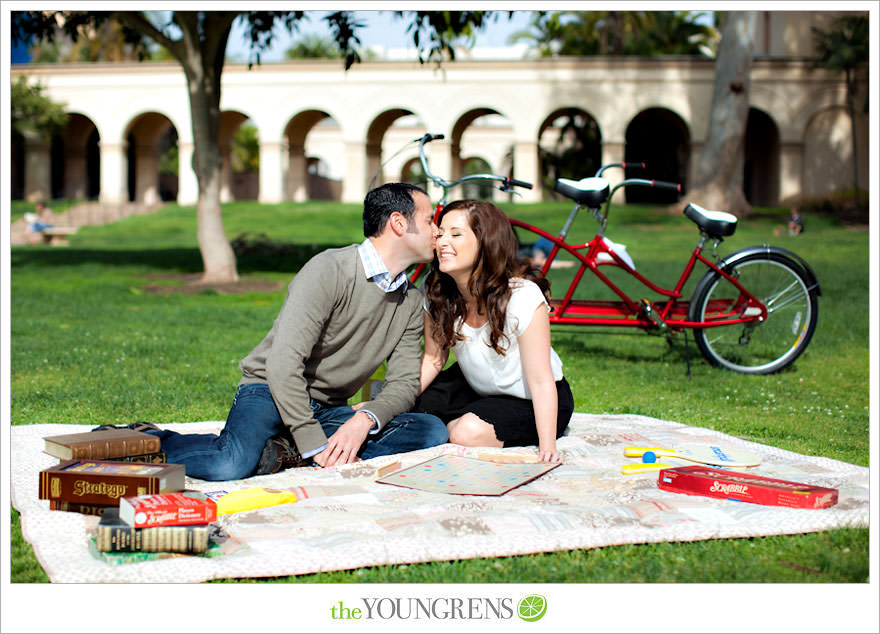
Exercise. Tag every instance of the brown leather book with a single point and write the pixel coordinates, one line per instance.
(105, 481)
(101, 445)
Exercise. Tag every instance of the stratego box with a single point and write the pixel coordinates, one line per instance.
(745, 487)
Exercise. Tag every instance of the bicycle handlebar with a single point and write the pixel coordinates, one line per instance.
(506, 181)
(643, 181)
(624, 165)
(666, 185)
(518, 183)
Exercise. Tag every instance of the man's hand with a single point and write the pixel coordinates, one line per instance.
(343, 446)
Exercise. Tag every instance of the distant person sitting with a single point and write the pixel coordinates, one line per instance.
(795, 223)
(540, 251)
(38, 222)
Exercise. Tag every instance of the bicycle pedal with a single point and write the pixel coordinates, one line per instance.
(650, 315)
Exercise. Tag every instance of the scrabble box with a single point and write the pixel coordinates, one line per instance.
(745, 487)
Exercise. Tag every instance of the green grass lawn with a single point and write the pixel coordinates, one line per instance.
(90, 346)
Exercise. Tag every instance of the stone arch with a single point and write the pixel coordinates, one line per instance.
(660, 138)
(478, 190)
(485, 133)
(828, 153)
(773, 99)
(465, 125)
(570, 145)
(315, 156)
(761, 168)
(143, 137)
(811, 103)
(80, 170)
(235, 185)
(411, 172)
(169, 166)
(376, 132)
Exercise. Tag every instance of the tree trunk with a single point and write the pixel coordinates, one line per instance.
(204, 40)
(718, 182)
(217, 255)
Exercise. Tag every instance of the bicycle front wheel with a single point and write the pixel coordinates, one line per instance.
(756, 347)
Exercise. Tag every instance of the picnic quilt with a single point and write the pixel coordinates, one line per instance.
(345, 519)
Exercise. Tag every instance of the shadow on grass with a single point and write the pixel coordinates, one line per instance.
(291, 259)
(630, 346)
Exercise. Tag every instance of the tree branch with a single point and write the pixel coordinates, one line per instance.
(139, 22)
(188, 23)
(217, 26)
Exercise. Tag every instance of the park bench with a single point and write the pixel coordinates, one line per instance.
(57, 236)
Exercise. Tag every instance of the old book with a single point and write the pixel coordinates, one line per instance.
(107, 482)
(114, 535)
(166, 509)
(101, 445)
(76, 507)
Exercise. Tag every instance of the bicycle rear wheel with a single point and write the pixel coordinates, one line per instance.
(756, 347)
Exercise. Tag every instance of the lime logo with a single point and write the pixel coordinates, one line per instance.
(532, 608)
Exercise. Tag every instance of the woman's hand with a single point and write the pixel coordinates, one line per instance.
(549, 455)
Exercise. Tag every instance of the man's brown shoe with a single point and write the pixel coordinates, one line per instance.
(278, 454)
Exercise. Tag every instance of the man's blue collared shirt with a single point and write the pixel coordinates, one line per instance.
(375, 268)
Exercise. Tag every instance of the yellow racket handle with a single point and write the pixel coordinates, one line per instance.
(637, 452)
(641, 467)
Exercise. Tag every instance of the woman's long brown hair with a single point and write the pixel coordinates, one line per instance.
(497, 262)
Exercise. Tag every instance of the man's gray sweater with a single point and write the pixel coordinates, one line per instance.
(334, 330)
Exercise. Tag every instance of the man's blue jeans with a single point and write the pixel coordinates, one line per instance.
(253, 419)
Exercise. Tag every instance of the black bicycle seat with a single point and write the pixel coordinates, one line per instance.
(716, 224)
(590, 192)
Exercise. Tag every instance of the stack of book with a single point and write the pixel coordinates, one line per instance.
(122, 475)
(164, 523)
(94, 447)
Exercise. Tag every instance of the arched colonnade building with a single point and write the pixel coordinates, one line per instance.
(324, 133)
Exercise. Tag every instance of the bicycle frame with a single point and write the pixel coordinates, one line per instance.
(670, 312)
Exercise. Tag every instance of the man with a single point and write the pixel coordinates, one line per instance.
(346, 311)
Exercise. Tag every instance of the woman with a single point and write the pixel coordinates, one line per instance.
(486, 305)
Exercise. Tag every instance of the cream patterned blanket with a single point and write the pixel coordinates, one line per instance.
(346, 520)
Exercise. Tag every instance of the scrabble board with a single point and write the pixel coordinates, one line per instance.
(459, 475)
